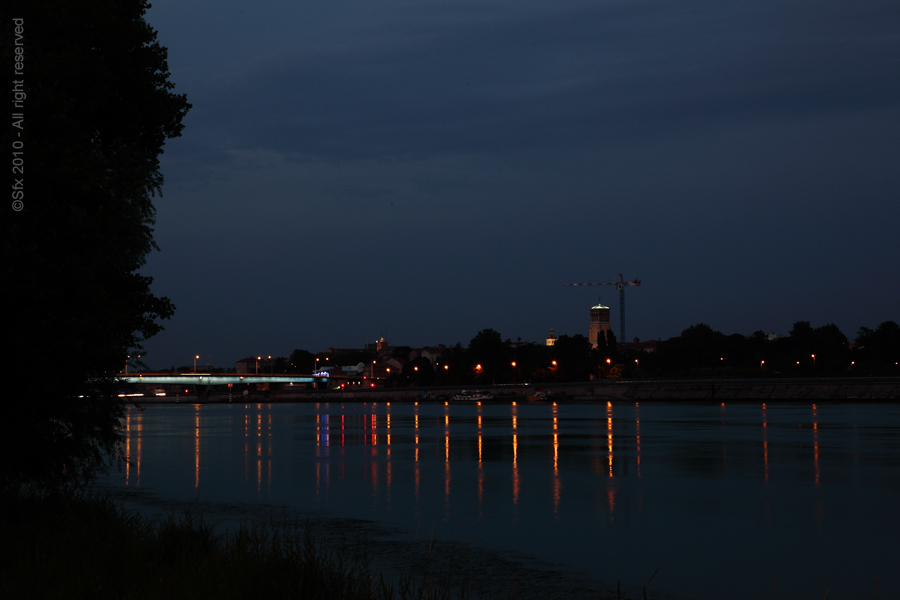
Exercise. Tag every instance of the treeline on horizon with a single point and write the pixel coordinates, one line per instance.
(698, 352)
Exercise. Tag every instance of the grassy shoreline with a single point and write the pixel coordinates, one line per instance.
(88, 546)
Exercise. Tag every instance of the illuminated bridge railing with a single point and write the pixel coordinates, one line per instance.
(209, 379)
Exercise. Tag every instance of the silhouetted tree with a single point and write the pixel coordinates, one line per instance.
(99, 109)
(611, 343)
(302, 361)
(280, 365)
(532, 360)
(878, 351)
(573, 356)
(494, 355)
(457, 372)
(418, 371)
(827, 343)
(698, 347)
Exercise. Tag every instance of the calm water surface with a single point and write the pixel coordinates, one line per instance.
(718, 497)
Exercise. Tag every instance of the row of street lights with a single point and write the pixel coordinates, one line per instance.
(129, 358)
(478, 367)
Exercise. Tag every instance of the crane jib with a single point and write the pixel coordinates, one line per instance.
(620, 285)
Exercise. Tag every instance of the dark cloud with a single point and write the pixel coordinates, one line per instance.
(575, 77)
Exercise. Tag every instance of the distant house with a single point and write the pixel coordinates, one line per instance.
(343, 350)
(356, 370)
(395, 364)
(431, 353)
(249, 365)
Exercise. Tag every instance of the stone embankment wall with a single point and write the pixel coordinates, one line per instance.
(723, 390)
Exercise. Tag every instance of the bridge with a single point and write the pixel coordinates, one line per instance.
(216, 378)
(203, 382)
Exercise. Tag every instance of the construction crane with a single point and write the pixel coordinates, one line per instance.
(620, 285)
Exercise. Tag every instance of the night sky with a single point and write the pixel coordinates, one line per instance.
(427, 169)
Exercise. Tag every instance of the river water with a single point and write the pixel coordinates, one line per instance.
(724, 500)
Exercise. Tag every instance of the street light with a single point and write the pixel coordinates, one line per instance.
(271, 366)
(814, 363)
(258, 358)
(761, 363)
(196, 356)
(515, 374)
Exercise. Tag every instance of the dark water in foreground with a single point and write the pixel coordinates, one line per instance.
(717, 497)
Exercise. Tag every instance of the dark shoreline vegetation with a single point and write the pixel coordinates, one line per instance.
(88, 545)
(699, 352)
(80, 545)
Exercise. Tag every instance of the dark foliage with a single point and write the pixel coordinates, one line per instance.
(699, 352)
(573, 358)
(488, 351)
(302, 361)
(878, 351)
(99, 108)
(418, 371)
(78, 546)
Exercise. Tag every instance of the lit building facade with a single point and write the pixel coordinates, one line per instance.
(599, 323)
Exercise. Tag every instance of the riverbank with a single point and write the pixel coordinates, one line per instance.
(711, 390)
(135, 546)
(88, 546)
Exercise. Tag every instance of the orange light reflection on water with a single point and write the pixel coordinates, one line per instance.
(480, 466)
(609, 435)
(446, 460)
(127, 447)
(815, 421)
(765, 425)
(557, 484)
(197, 450)
(515, 444)
(637, 429)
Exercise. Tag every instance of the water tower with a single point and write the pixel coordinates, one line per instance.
(599, 323)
